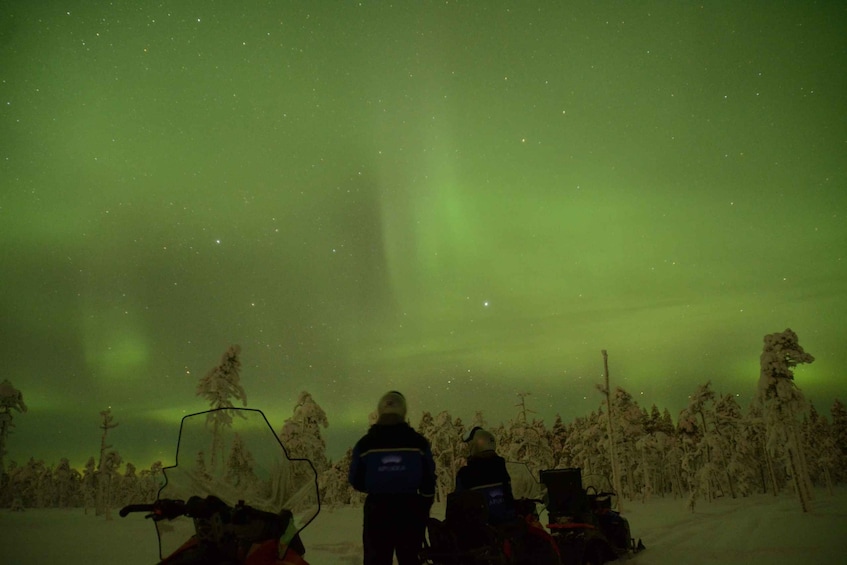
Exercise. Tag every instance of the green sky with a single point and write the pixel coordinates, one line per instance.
(460, 200)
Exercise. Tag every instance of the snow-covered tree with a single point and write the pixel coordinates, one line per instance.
(527, 441)
(301, 433)
(782, 404)
(708, 453)
(220, 386)
(127, 488)
(839, 436)
(732, 446)
(107, 479)
(10, 399)
(31, 484)
(448, 451)
(588, 442)
(89, 485)
(819, 445)
(66, 481)
(558, 436)
(334, 487)
(426, 427)
(628, 428)
(240, 466)
(149, 482)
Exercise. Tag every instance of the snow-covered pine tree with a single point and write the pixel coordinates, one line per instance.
(528, 441)
(128, 491)
(89, 485)
(10, 399)
(478, 421)
(782, 404)
(9, 496)
(628, 428)
(448, 451)
(839, 436)
(558, 437)
(107, 479)
(588, 442)
(651, 449)
(26, 482)
(426, 427)
(691, 442)
(735, 450)
(149, 482)
(301, 433)
(710, 449)
(334, 487)
(819, 444)
(240, 467)
(66, 483)
(220, 386)
(200, 467)
(670, 452)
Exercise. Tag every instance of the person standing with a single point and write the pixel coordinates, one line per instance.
(393, 464)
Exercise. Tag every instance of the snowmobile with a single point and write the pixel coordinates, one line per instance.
(582, 528)
(242, 506)
(585, 527)
(465, 536)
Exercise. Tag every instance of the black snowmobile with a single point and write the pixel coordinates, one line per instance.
(586, 528)
(241, 506)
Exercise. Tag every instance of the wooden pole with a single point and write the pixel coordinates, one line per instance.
(616, 479)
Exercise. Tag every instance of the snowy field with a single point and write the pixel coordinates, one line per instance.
(760, 529)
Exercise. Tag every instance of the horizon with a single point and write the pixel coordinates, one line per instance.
(337, 444)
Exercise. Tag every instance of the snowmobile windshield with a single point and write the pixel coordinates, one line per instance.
(524, 484)
(235, 455)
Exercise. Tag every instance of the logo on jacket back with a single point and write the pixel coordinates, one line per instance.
(391, 463)
(496, 496)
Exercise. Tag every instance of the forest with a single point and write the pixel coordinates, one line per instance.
(713, 448)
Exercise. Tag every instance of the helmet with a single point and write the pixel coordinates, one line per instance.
(480, 440)
(392, 402)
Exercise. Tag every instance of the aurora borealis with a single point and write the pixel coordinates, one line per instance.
(458, 200)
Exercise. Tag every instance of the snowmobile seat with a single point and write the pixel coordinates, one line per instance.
(566, 499)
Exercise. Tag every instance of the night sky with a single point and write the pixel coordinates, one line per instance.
(459, 200)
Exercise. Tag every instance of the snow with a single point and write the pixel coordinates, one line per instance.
(756, 529)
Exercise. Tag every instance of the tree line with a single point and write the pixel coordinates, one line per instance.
(715, 448)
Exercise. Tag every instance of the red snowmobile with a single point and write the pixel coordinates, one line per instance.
(582, 528)
(586, 528)
(465, 536)
(243, 505)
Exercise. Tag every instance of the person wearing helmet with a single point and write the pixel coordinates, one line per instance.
(486, 472)
(393, 464)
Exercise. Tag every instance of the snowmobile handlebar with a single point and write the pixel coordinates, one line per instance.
(135, 508)
(591, 491)
(163, 509)
(197, 507)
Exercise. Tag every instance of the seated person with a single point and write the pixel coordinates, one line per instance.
(486, 472)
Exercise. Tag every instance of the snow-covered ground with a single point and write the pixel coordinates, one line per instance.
(759, 529)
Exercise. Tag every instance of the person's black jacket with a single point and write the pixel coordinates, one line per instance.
(392, 458)
(487, 472)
